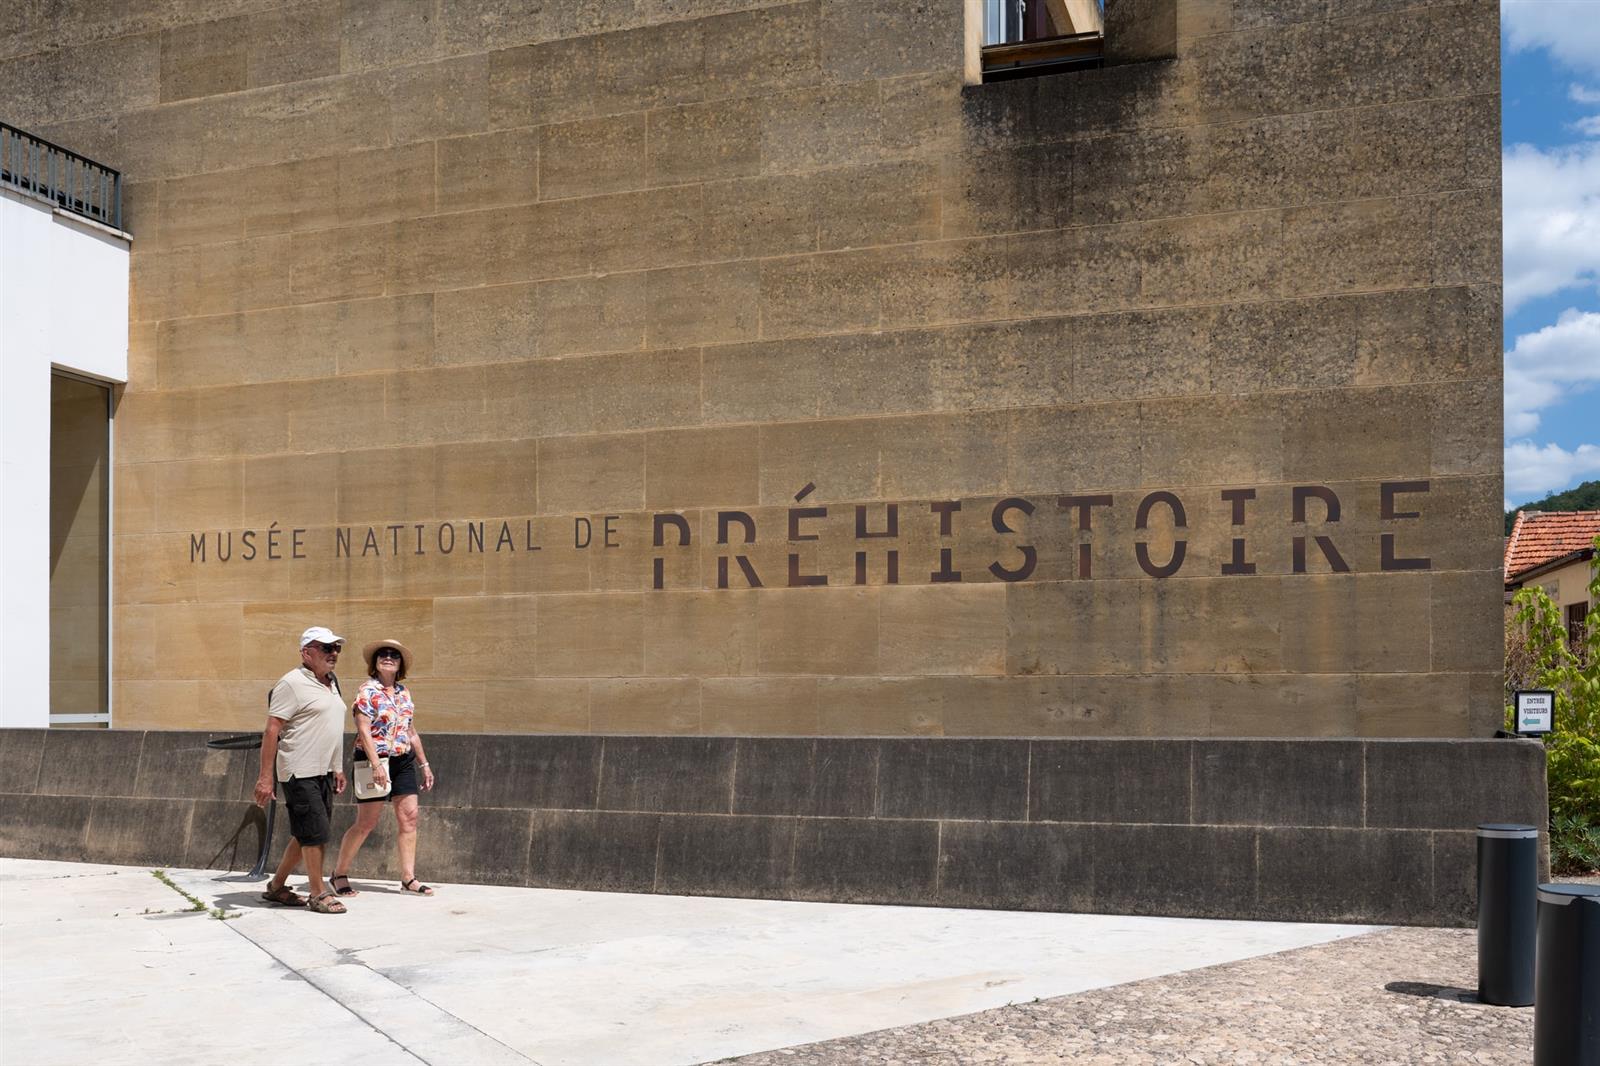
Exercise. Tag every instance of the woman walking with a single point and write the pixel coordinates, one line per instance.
(385, 730)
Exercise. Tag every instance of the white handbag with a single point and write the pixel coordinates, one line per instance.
(365, 788)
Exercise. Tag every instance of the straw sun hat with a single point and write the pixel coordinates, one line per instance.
(371, 650)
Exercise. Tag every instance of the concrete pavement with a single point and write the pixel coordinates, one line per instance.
(106, 964)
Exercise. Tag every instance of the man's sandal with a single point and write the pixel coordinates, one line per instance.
(326, 904)
(415, 887)
(283, 896)
(344, 889)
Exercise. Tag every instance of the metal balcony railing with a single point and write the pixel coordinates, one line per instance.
(49, 172)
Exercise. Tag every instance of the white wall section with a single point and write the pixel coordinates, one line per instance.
(63, 304)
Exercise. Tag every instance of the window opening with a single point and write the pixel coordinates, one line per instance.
(1021, 38)
(80, 552)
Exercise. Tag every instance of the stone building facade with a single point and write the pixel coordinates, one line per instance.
(733, 368)
(418, 286)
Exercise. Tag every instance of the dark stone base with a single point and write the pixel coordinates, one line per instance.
(1295, 830)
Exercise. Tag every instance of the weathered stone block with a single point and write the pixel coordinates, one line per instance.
(1277, 783)
(649, 67)
(704, 142)
(1010, 188)
(571, 468)
(1415, 784)
(138, 831)
(538, 772)
(536, 84)
(942, 629)
(44, 827)
(592, 850)
(591, 314)
(827, 126)
(702, 305)
(486, 635)
(1455, 876)
(818, 631)
(480, 846)
(850, 860)
(488, 170)
(811, 295)
(687, 775)
(1384, 876)
(960, 779)
(536, 705)
(760, 706)
(79, 762)
(701, 633)
(1110, 781)
(762, 51)
(1417, 705)
(453, 758)
(579, 633)
(383, 33)
(20, 753)
(725, 855)
(667, 706)
(1015, 866)
(592, 156)
(1139, 31)
(227, 835)
(702, 467)
(181, 766)
(802, 776)
(1340, 622)
(867, 41)
(1183, 871)
(485, 477)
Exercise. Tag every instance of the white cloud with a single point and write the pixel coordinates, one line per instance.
(1552, 220)
(1548, 365)
(1570, 29)
(1589, 127)
(1533, 470)
(1582, 94)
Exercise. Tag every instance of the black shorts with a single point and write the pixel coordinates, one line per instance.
(403, 779)
(310, 804)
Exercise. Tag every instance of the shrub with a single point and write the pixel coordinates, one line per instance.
(1539, 656)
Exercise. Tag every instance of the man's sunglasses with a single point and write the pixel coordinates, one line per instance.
(328, 649)
(388, 653)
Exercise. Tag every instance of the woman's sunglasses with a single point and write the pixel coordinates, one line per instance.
(388, 653)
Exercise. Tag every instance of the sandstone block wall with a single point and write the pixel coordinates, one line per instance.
(532, 275)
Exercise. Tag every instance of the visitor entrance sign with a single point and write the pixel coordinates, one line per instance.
(1536, 712)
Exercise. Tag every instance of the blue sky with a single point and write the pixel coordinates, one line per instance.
(1550, 143)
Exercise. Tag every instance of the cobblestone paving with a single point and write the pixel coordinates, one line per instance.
(1395, 996)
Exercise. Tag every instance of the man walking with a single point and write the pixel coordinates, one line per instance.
(303, 748)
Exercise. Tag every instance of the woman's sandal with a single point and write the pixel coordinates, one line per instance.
(344, 889)
(326, 904)
(420, 889)
(283, 896)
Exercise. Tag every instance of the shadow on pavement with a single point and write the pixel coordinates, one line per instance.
(1431, 991)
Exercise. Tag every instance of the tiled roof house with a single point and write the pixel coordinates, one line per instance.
(1540, 538)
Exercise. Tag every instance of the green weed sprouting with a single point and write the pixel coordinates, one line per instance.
(221, 914)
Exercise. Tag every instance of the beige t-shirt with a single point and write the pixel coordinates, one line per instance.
(312, 741)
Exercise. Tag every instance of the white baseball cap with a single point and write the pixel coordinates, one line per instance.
(321, 634)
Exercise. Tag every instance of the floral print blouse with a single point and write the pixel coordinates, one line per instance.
(388, 717)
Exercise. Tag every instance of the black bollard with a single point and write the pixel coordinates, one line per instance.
(1566, 1019)
(1508, 857)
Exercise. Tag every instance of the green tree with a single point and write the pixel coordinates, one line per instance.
(1584, 497)
(1539, 656)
